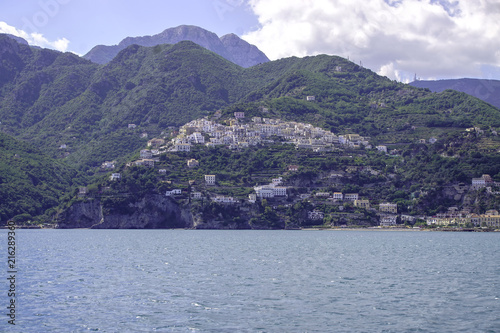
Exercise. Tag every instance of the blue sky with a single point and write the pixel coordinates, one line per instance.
(396, 38)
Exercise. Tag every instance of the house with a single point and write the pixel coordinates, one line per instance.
(162, 171)
(432, 140)
(362, 204)
(252, 198)
(156, 143)
(322, 194)
(315, 215)
(145, 162)
(310, 98)
(388, 220)
(192, 163)
(484, 181)
(382, 149)
(196, 137)
(293, 168)
(239, 115)
(115, 176)
(279, 191)
(224, 199)
(145, 153)
(182, 147)
(388, 208)
(264, 191)
(210, 179)
(351, 196)
(277, 181)
(132, 126)
(108, 165)
(338, 196)
(196, 195)
(173, 192)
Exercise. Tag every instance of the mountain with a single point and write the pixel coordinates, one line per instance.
(79, 112)
(53, 99)
(230, 46)
(487, 90)
(18, 39)
(30, 181)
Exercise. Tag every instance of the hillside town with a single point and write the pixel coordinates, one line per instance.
(238, 134)
(260, 131)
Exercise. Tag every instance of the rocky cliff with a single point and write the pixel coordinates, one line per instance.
(231, 47)
(150, 212)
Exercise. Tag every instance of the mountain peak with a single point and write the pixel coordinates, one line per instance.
(229, 46)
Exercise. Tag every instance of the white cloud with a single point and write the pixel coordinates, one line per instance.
(37, 39)
(433, 38)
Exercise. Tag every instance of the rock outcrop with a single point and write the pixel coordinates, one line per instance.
(150, 212)
(231, 47)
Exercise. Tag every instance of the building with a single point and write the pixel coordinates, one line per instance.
(362, 204)
(351, 196)
(239, 115)
(115, 176)
(484, 181)
(322, 194)
(196, 195)
(338, 196)
(145, 153)
(182, 147)
(145, 162)
(225, 200)
(315, 215)
(388, 208)
(173, 192)
(264, 191)
(382, 149)
(293, 168)
(156, 143)
(162, 171)
(132, 126)
(310, 98)
(388, 221)
(252, 198)
(210, 179)
(192, 163)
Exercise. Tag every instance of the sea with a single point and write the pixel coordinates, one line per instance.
(253, 281)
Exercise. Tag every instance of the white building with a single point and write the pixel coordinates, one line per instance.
(315, 215)
(210, 179)
(115, 176)
(182, 147)
(173, 192)
(224, 199)
(351, 196)
(338, 196)
(196, 195)
(145, 153)
(388, 221)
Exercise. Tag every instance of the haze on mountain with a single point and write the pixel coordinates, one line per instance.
(229, 46)
(486, 90)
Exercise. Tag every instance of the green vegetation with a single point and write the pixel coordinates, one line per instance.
(50, 99)
(30, 181)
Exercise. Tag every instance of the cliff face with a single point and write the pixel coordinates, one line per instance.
(150, 212)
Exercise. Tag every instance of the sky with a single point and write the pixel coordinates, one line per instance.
(432, 39)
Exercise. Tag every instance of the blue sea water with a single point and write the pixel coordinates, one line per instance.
(254, 281)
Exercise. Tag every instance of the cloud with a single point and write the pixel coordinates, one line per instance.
(34, 38)
(396, 38)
